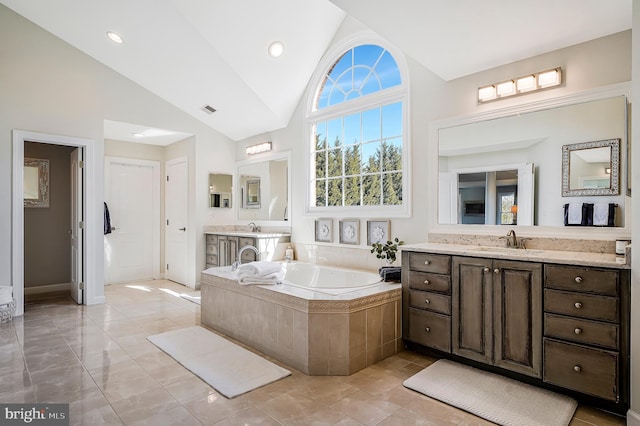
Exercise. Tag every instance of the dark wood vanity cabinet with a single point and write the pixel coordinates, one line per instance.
(426, 299)
(586, 330)
(497, 313)
(564, 325)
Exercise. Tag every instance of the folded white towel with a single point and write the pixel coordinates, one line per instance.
(274, 278)
(259, 269)
(6, 295)
(574, 216)
(600, 214)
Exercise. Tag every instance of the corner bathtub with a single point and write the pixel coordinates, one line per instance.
(322, 320)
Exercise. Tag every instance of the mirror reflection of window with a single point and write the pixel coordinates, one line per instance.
(588, 168)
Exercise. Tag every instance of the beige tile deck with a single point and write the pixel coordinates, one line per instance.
(97, 359)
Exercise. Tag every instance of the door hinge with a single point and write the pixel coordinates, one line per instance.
(81, 285)
(81, 225)
(167, 222)
(167, 178)
(81, 164)
(167, 266)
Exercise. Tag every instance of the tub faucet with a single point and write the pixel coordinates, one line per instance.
(253, 227)
(234, 265)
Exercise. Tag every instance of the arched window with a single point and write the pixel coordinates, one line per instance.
(358, 139)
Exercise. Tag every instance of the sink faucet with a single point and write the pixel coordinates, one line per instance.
(234, 265)
(253, 227)
(513, 242)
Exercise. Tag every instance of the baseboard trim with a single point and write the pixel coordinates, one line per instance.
(49, 288)
(633, 418)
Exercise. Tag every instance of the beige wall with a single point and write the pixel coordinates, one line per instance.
(47, 242)
(50, 87)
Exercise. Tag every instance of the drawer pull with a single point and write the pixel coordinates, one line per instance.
(426, 282)
(426, 262)
(578, 331)
(578, 279)
(497, 271)
(577, 368)
(427, 329)
(485, 270)
(578, 305)
(427, 301)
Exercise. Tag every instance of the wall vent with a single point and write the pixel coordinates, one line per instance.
(208, 109)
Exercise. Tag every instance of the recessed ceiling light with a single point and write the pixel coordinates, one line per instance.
(137, 135)
(116, 38)
(276, 49)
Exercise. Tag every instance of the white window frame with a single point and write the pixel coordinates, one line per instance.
(394, 94)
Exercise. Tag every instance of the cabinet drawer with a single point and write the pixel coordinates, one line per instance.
(212, 248)
(245, 241)
(581, 305)
(430, 329)
(581, 331)
(574, 278)
(430, 282)
(431, 301)
(212, 239)
(427, 262)
(587, 370)
(212, 260)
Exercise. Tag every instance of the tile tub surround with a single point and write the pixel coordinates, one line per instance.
(325, 335)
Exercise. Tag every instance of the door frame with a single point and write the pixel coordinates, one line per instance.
(92, 250)
(155, 166)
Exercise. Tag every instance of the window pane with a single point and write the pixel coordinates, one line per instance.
(392, 120)
(371, 125)
(321, 192)
(321, 164)
(352, 191)
(371, 157)
(352, 160)
(334, 133)
(360, 75)
(392, 188)
(352, 129)
(321, 136)
(335, 192)
(392, 155)
(371, 190)
(388, 71)
(342, 64)
(367, 54)
(334, 159)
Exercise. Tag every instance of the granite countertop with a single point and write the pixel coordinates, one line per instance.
(250, 234)
(580, 258)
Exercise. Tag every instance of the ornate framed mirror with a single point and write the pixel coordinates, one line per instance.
(36, 182)
(591, 168)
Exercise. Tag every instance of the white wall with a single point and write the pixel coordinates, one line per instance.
(50, 87)
(586, 66)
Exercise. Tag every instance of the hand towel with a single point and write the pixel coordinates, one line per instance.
(259, 269)
(6, 295)
(600, 214)
(574, 214)
(274, 278)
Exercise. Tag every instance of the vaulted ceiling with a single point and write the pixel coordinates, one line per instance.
(194, 53)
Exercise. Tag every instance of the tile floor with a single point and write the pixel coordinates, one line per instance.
(97, 358)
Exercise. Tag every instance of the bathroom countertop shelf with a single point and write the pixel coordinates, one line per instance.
(607, 260)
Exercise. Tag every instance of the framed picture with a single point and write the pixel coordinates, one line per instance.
(377, 231)
(36, 182)
(324, 230)
(350, 231)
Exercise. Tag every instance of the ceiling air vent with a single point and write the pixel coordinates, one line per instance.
(208, 109)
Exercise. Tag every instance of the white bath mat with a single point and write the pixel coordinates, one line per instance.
(228, 368)
(498, 399)
(194, 296)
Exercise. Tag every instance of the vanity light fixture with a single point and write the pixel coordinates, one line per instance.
(115, 37)
(517, 86)
(258, 148)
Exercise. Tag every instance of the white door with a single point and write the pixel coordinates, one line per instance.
(132, 194)
(77, 226)
(176, 209)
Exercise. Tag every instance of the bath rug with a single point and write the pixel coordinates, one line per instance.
(495, 398)
(194, 296)
(228, 368)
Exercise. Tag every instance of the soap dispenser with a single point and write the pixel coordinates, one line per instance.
(288, 254)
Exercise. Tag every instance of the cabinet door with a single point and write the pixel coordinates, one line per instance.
(518, 316)
(472, 309)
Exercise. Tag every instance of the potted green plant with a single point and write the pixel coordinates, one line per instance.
(388, 252)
